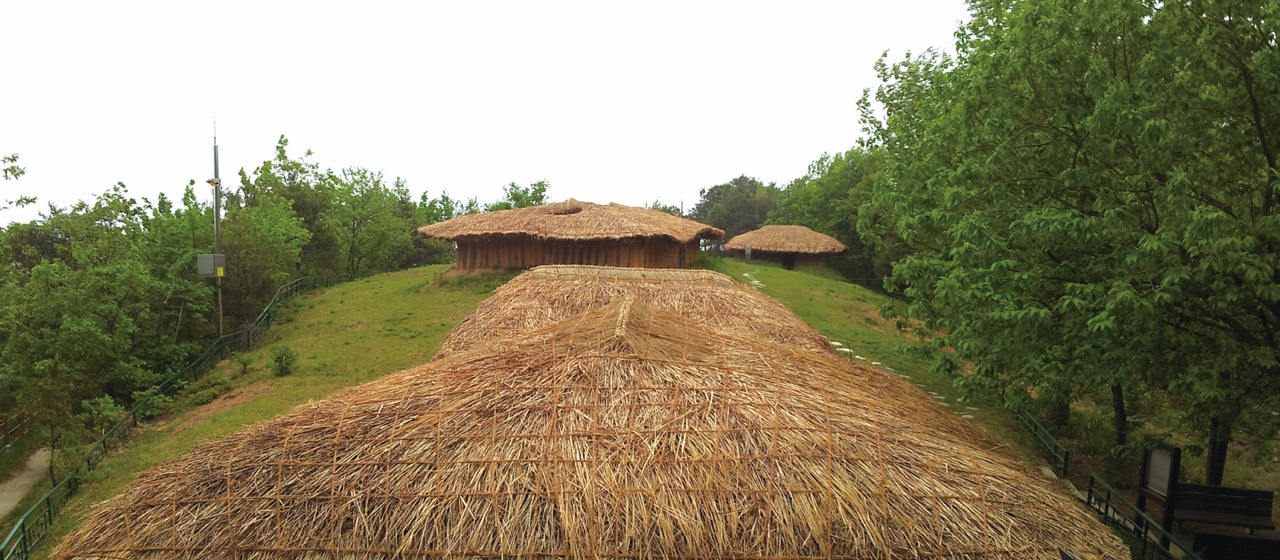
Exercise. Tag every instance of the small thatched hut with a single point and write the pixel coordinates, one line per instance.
(789, 245)
(548, 294)
(573, 232)
(624, 432)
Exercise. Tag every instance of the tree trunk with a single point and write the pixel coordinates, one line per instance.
(1120, 416)
(1060, 414)
(1215, 457)
(53, 452)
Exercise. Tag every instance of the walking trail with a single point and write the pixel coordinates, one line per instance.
(12, 491)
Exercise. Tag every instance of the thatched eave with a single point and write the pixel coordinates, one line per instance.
(548, 294)
(786, 239)
(572, 220)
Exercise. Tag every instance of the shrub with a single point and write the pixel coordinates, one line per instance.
(283, 360)
(101, 413)
(242, 360)
(151, 403)
(205, 396)
(207, 389)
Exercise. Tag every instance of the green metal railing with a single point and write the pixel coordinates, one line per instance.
(1142, 533)
(35, 523)
(13, 429)
(1058, 456)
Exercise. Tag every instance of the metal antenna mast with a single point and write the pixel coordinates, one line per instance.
(215, 265)
(217, 222)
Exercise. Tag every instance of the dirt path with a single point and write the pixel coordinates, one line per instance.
(12, 491)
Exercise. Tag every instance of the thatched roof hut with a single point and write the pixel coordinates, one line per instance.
(547, 294)
(790, 245)
(573, 232)
(624, 432)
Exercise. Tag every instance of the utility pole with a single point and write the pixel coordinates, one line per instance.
(217, 224)
(215, 265)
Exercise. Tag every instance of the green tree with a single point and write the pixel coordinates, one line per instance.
(11, 171)
(1089, 194)
(516, 196)
(406, 208)
(667, 208)
(738, 206)
(429, 210)
(372, 231)
(100, 307)
(827, 199)
(312, 195)
(432, 210)
(263, 244)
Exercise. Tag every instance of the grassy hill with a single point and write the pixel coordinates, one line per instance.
(355, 332)
(848, 314)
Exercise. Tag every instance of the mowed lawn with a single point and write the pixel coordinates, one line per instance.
(356, 332)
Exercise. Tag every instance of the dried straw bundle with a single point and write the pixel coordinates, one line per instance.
(785, 239)
(573, 220)
(625, 432)
(548, 294)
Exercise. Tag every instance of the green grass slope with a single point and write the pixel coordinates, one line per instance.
(345, 335)
(848, 314)
(356, 332)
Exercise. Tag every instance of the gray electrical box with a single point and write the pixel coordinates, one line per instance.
(211, 265)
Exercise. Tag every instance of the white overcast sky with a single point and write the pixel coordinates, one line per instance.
(608, 101)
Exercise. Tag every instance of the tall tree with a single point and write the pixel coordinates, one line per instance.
(312, 195)
(432, 210)
(371, 229)
(1090, 192)
(516, 196)
(427, 250)
(263, 244)
(9, 171)
(99, 307)
(827, 199)
(738, 206)
(667, 208)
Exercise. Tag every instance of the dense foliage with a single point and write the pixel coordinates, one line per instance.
(1089, 193)
(738, 206)
(101, 300)
(96, 302)
(516, 196)
(827, 199)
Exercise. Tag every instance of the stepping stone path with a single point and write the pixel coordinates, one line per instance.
(840, 347)
(752, 280)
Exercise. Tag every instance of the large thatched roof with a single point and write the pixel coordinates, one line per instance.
(624, 432)
(785, 239)
(573, 220)
(547, 294)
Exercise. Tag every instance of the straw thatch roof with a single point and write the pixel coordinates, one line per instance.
(573, 220)
(547, 294)
(785, 239)
(625, 432)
